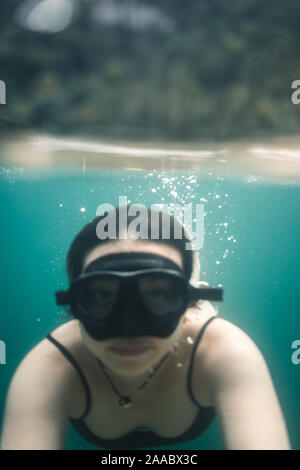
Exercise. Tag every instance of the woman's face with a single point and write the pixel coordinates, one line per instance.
(157, 347)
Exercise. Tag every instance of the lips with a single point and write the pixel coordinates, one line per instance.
(131, 348)
(130, 352)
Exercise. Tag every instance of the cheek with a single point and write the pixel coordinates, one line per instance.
(178, 328)
(178, 331)
(94, 346)
(173, 338)
(86, 337)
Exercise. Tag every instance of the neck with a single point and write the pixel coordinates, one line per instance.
(129, 383)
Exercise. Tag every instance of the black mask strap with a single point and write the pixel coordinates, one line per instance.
(132, 261)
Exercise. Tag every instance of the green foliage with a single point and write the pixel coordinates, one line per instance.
(223, 71)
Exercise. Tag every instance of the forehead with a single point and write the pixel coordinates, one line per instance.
(126, 246)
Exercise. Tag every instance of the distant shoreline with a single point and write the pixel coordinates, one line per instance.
(278, 157)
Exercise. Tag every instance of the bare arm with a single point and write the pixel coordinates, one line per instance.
(36, 414)
(244, 396)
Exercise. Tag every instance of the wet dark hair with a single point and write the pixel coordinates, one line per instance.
(87, 239)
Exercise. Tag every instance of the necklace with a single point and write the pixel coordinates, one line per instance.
(126, 401)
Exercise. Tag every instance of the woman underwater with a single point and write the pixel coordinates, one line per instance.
(145, 361)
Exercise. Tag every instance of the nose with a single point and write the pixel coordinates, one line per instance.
(131, 317)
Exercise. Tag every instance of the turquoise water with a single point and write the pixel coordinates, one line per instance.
(255, 257)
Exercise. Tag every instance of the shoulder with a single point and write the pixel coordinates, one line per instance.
(46, 371)
(45, 353)
(225, 354)
(224, 341)
(239, 386)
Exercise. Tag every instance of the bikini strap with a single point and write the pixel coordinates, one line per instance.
(190, 370)
(74, 363)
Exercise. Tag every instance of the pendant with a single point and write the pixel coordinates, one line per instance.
(125, 402)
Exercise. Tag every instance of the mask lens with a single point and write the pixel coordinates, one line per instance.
(161, 294)
(97, 297)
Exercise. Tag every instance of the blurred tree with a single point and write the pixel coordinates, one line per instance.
(172, 69)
